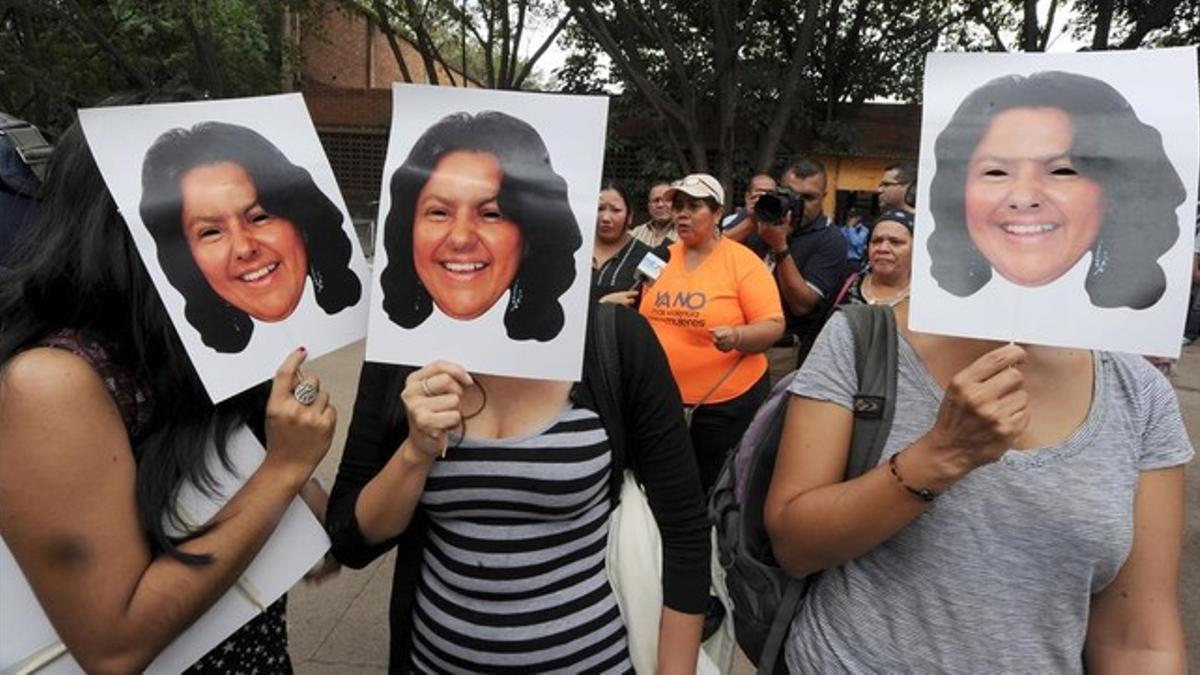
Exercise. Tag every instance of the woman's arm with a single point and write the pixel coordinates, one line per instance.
(317, 500)
(816, 519)
(751, 338)
(662, 453)
(68, 509)
(1134, 624)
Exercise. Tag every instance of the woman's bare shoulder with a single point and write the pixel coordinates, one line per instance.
(47, 372)
(46, 391)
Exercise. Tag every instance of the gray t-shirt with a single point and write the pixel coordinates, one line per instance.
(998, 575)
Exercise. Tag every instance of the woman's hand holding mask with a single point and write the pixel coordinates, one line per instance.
(984, 410)
(298, 433)
(432, 396)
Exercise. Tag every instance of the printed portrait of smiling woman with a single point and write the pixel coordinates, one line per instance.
(477, 213)
(240, 230)
(1035, 172)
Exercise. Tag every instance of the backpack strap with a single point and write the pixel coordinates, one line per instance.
(29, 143)
(876, 361)
(843, 292)
(769, 663)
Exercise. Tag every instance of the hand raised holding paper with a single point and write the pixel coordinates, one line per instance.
(298, 434)
(432, 396)
(983, 411)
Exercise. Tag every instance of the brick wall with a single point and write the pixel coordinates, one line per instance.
(341, 48)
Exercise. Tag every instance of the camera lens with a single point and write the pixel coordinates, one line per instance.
(769, 209)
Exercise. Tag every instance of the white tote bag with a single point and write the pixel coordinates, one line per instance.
(635, 572)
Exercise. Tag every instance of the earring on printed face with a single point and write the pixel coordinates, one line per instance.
(515, 296)
(973, 270)
(420, 295)
(1099, 259)
(318, 280)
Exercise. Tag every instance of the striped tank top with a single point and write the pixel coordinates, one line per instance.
(513, 577)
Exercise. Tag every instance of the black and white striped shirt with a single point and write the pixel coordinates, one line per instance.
(513, 576)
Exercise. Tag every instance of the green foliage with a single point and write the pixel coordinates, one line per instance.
(60, 55)
(489, 40)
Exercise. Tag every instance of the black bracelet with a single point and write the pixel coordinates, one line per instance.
(780, 256)
(924, 494)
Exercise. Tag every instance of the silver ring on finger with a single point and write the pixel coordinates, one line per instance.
(305, 393)
(425, 388)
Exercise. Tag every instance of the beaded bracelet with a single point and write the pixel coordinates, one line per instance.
(924, 494)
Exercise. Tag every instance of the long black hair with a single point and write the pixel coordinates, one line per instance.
(1110, 145)
(532, 196)
(77, 268)
(284, 189)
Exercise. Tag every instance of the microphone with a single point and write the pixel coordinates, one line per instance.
(648, 270)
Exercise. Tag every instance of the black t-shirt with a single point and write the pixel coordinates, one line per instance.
(618, 273)
(819, 252)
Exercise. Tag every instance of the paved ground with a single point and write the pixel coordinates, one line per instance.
(341, 625)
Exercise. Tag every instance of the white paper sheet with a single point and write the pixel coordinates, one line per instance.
(119, 138)
(297, 544)
(572, 129)
(1063, 312)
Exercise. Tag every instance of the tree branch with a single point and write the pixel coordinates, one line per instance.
(424, 43)
(1156, 16)
(1044, 40)
(585, 13)
(505, 41)
(84, 20)
(791, 86)
(528, 67)
(516, 43)
(976, 11)
(385, 26)
(1104, 17)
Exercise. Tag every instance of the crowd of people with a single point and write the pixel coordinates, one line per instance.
(1026, 516)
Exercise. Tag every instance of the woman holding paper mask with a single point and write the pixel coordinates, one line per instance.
(102, 419)
(1028, 496)
(617, 254)
(495, 493)
(715, 309)
(1034, 172)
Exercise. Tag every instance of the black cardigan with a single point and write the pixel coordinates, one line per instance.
(657, 440)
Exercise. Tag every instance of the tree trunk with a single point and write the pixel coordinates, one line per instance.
(791, 87)
(1029, 27)
(725, 43)
(832, 67)
(385, 25)
(1104, 17)
(204, 46)
(424, 46)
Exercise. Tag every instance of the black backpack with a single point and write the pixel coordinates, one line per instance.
(764, 597)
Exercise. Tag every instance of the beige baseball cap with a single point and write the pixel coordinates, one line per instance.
(698, 185)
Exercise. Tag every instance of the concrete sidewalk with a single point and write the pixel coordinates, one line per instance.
(341, 625)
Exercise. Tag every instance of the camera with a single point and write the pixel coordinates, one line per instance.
(772, 207)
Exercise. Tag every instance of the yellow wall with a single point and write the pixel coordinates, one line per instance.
(852, 173)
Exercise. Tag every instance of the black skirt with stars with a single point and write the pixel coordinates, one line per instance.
(260, 647)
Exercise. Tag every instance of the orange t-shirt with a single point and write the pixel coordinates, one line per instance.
(731, 287)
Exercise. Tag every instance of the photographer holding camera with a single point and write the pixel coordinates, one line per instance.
(742, 223)
(806, 254)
